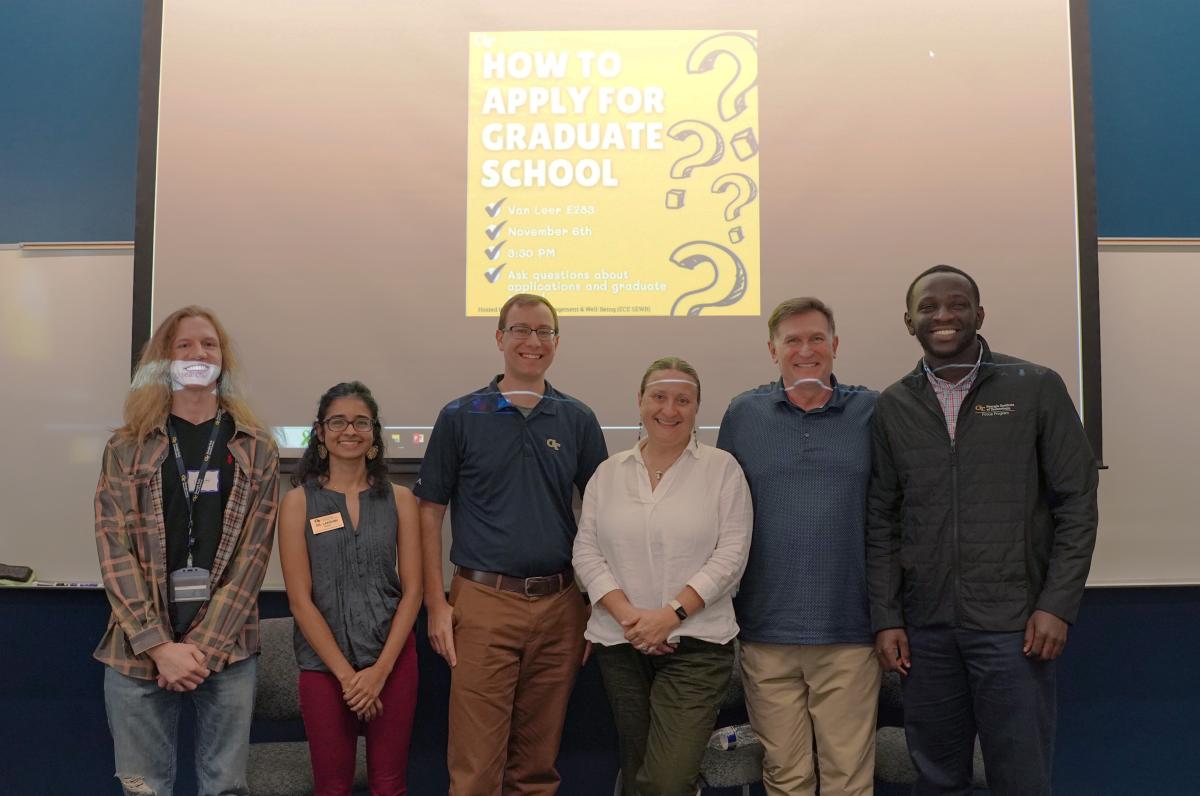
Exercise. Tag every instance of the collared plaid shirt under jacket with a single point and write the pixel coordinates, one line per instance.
(950, 394)
(131, 542)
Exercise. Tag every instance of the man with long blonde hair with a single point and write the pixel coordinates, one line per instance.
(185, 516)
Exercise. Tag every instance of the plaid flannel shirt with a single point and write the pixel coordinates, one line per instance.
(132, 545)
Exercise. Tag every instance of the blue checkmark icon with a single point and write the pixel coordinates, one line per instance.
(492, 273)
(494, 252)
(492, 210)
(494, 230)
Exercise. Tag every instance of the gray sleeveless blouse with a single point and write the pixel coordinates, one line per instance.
(355, 585)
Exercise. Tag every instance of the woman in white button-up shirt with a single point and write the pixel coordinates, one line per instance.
(662, 543)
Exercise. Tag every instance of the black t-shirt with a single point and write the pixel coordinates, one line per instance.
(210, 506)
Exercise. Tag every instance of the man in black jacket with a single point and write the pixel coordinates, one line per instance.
(981, 523)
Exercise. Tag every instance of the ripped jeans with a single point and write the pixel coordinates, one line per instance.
(144, 721)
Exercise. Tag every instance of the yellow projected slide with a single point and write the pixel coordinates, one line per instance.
(614, 172)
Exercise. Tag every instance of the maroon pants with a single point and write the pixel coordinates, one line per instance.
(333, 730)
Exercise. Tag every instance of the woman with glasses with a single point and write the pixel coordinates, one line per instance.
(662, 543)
(350, 548)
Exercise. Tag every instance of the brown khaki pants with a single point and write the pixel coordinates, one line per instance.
(517, 661)
(831, 691)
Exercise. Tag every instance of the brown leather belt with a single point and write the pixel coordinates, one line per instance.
(540, 586)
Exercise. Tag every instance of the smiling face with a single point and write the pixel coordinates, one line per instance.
(195, 354)
(349, 443)
(945, 317)
(668, 407)
(526, 361)
(804, 347)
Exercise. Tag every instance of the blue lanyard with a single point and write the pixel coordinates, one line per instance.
(193, 496)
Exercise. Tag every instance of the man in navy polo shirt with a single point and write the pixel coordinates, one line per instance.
(506, 457)
(804, 443)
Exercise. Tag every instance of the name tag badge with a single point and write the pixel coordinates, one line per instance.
(212, 481)
(330, 522)
(189, 584)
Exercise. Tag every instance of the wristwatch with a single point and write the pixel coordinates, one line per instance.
(677, 607)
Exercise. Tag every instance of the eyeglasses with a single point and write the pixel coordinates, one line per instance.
(522, 332)
(339, 423)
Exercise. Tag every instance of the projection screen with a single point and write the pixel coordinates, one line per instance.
(355, 188)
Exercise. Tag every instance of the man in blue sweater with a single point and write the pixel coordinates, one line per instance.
(804, 443)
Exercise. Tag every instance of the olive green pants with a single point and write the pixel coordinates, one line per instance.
(664, 707)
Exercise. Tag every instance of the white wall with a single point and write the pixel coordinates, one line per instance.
(64, 360)
(64, 353)
(1149, 531)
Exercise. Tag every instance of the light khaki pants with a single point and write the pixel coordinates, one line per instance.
(794, 692)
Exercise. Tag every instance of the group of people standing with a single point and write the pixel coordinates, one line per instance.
(941, 529)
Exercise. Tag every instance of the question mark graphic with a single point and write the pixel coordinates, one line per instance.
(728, 282)
(710, 150)
(743, 49)
(747, 192)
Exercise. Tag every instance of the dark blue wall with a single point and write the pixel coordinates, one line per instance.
(69, 103)
(1128, 701)
(1146, 93)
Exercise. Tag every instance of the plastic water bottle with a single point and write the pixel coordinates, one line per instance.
(732, 737)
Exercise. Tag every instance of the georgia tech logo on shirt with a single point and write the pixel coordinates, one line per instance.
(553, 443)
(995, 410)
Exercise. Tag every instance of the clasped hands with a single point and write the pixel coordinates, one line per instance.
(181, 666)
(361, 690)
(647, 629)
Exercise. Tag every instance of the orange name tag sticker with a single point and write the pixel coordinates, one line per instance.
(330, 522)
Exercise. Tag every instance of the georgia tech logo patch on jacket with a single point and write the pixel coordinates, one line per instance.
(995, 410)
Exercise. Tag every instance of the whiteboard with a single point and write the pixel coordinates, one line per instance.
(1149, 531)
(64, 351)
